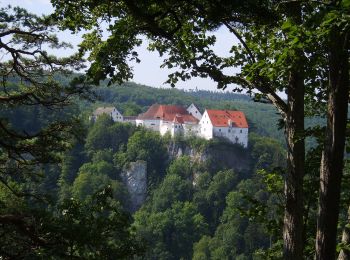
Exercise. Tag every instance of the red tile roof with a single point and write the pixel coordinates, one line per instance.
(225, 117)
(178, 119)
(167, 113)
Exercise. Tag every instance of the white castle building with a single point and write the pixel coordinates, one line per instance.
(229, 124)
(110, 111)
(172, 119)
(176, 120)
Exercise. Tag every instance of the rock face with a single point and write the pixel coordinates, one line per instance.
(221, 155)
(175, 151)
(135, 180)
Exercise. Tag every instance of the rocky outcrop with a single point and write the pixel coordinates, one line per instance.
(219, 155)
(176, 150)
(135, 179)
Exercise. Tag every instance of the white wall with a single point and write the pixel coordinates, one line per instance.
(139, 122)
(176, 129)
(234, 134)
(206, 128)
(194, 112)
(116, 116)
(149, 124)
(165, 126)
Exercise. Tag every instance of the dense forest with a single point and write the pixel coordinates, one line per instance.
(72, 188)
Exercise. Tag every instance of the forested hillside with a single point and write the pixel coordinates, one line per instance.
(191, 196)
(193, 203)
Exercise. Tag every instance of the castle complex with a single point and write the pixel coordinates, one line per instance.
(177, 120)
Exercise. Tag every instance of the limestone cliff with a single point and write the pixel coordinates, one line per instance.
(219, 155)
(135, 180)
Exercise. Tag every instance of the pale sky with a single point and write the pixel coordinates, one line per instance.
(148, 72)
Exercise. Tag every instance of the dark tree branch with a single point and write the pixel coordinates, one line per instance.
(241, 40)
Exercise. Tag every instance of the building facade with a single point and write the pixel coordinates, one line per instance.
(228, 124)
(110, 111)
(194, 111)
(168, 119)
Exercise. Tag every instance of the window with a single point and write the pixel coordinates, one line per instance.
(229, 130)
(219, 129)
(240, 131)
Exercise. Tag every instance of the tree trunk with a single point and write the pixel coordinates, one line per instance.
(345, 253)
(333, 154)
(293, 215)
(293, 187)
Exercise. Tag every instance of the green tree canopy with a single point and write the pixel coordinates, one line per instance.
(172, 232)
(105, 134)
(172, 189)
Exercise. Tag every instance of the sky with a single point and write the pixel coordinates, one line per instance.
(148, 72)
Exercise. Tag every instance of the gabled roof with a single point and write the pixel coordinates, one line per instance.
(103, 110)
(225, 118)
(166, 113)
(194, 106)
